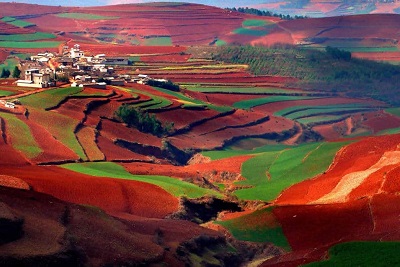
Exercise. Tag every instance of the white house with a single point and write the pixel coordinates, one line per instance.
(76, 52)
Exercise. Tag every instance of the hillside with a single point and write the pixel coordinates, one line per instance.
(143, 138)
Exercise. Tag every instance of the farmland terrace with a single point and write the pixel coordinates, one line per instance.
(250, 155)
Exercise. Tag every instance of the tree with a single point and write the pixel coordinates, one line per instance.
(16, 73)
(5, 73)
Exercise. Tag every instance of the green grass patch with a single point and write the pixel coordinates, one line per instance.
(254, 23)
(21, 136)
(243, 90)
(61, 127)
(43, 44)
(374, 254)
(6, 93)
(393, 111)
(220, 42)
(296, 112)
(259, 226)
(321, 119)
(250, 103)
(108, 169)
(158, 41)
(49, 98)
(17, 22)
(84, 16)
(27, 37)
(249, 31)
(191, 102)
(228, 152)
(272, 172)
(9, 64)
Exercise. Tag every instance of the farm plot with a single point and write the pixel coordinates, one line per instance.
(17, 22)
(21, 136)
(6, 93)
(190, 102)
(30, 45)
(259, 226)
(49, 98)
(248, 104)
(87, 138)
(272, 172)
(353, 254)
(299, 112)
(210, 135)
(27, 37)
(85, 16)
(60, 126)
(246, 90)
(112, 170)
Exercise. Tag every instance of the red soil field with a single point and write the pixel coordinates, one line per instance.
(332, 131)
(353, 158)
(379, 56)
(10, 181)
(20, 9)
(211, 170)
(168, 58)
(205, 136)
(313, 226)
(124, 50)
(276, 106)
(114, 130)
(112, 195)
(113, 152)
(248, 80)
(53, 150)
(183, 118)
(379, 121)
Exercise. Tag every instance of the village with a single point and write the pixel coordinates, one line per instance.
(75, 69)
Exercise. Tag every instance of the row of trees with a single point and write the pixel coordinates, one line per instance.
(265, 13)
(143, 121)
(5, 73)
(332, 70)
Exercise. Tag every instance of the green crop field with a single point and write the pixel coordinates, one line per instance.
(366, 254)
(17, 22)
(320, 111)
(27, 37)
(271, 172)
(304, 111)
(9, 64)
(84, 16)
(21, 136)
(251, 103)
(321, 119)
(228, 152)
(49, 98)
(112, 170)
(259, 226)
(61, 127)
(220, 42)
(250, 31)
(6, 93)
(254, 23)
(27, 45)
(156, 102)
(158, 41)
(243, 90)
(393, 111)
(192, 102)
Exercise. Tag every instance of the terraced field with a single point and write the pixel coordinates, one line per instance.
(313, 173)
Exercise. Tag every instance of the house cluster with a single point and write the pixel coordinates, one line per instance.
(94, 70)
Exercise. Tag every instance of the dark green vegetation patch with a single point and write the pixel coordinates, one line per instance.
(364, 254)
(331, 71)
